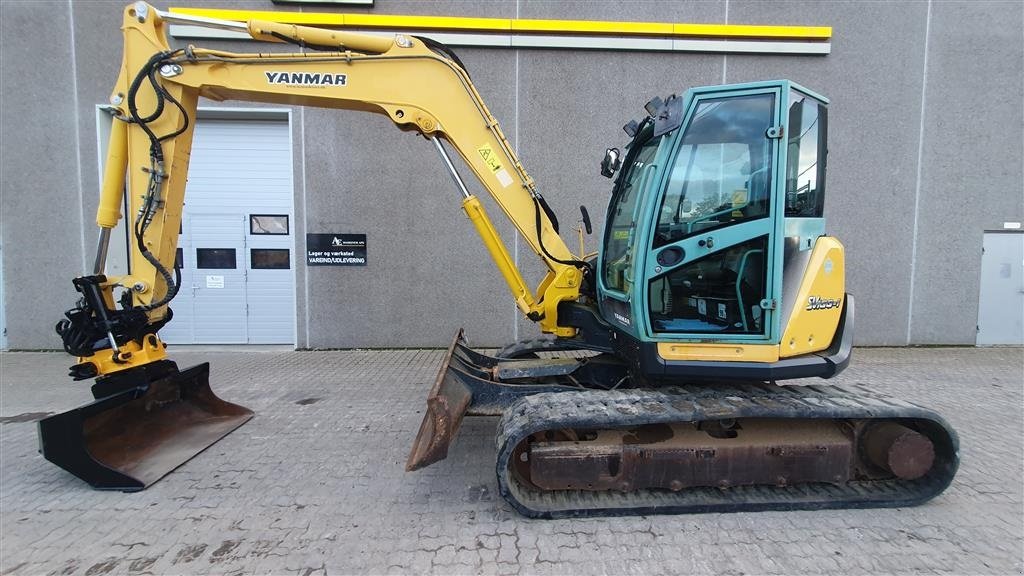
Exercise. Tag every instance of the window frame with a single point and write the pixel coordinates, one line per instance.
(287, 225)
(234, 256)
(821, 167)
(252, 259)
(677, 151)
(633, 249)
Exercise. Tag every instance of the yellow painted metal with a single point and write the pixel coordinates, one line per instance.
(520, 292)
(752, 31)
(265, 31)
(719, 352)
(109, 210)
(141, 41)
(593, 27)
(388, 21)
(131, 355)
(560, 285)
(416, 88)
(812, 325)
(513, 25)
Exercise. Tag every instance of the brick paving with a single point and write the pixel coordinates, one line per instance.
(314, 484)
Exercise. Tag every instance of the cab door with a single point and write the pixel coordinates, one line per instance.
(710, 246)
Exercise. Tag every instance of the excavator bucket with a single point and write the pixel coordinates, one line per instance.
(140, 427)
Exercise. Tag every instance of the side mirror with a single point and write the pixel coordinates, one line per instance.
(611, 163)
(687, 206)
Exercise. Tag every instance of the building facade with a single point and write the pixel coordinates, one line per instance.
(925, 146)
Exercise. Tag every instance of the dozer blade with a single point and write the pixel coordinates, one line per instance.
(470, 383)
(446, 405)
(149, 424)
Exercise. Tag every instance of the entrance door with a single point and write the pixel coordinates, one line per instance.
(219, 314)
(1001, 299)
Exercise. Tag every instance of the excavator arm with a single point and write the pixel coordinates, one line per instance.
(414, 82)
(149, 417)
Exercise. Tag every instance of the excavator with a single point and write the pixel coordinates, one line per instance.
(659, 386)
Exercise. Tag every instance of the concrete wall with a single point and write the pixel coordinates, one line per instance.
(39, 170)
(971, 160)
(925, 145)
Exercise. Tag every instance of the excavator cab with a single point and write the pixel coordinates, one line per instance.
(701, 216)
(718, 198)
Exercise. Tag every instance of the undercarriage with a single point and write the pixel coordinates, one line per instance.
(577, 438)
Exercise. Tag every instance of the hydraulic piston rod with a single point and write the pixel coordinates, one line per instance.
(485, 228)
(451, 167)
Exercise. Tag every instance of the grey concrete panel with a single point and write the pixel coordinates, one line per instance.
(489, 9)
(971, 177)
(712, 11)
(427, 271)
(98, 50)
(39, 161)
(873, 79)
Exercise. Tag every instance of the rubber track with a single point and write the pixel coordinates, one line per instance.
(529, 348)
(616, 409)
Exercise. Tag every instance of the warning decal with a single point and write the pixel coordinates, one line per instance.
(490, 157)
(504, 178)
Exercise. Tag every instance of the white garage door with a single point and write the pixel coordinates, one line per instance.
(237, 249)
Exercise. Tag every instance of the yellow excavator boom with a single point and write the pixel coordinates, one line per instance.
(409, 80)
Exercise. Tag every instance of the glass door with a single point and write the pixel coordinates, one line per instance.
(710, 253)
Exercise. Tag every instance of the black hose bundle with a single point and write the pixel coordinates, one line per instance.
(156, 175)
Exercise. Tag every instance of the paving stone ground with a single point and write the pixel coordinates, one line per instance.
(314, 484)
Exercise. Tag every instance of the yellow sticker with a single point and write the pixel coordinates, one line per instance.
(490, 157)
(620, 235)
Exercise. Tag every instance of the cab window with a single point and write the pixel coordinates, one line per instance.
(721, 174)
(805, 169)
(620, 233)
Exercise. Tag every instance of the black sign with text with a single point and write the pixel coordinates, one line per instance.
(335, 249)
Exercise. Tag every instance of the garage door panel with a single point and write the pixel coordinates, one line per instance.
(238, 168)
(264, 164)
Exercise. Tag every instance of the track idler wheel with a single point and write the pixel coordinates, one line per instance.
(902, 452)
